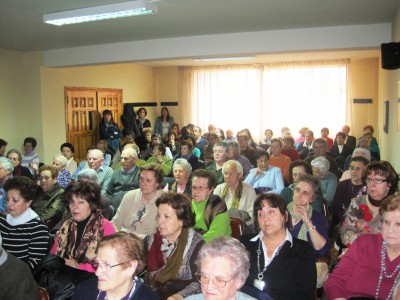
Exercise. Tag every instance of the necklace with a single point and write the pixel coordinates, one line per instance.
(387, 276)
(259, 283)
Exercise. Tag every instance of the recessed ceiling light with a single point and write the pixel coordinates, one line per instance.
(101, 12)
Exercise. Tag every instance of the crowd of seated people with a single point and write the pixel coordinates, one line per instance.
(173, 208)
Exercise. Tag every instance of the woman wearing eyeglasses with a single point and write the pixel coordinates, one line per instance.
(173, 248)
(362, 216)
(120, 257)
(223, 266)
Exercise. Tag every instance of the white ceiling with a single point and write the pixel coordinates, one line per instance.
(22, 29)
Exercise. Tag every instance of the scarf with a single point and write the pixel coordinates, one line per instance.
(23, 218)
(85, 251)
(303, 230)
(166, 268)
(236, 196)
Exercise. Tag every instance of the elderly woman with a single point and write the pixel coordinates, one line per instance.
(220, 157)
(327, 179)
(173, 248)
(186, 153)
(182, 171)
(159, 158)
(289, 149)
(67, 149)
(16, 157)
(371, 266)
(64, 176)
(281, 267)
(24, 234)
(223, 266)
(30, 158)
(49, 204)
(120, 257)
(265, 178)
(110, 131)
(362, 216)
(6, 172)
(238, 196)
(137, 211)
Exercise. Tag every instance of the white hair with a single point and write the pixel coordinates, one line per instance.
(61, 158)
(238, 166)
(321, 163)
(365, 153)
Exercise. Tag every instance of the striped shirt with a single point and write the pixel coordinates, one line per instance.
(29, 241)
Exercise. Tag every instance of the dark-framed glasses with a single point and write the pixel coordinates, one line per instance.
(375, 180)
(217, 281)
(105, 266)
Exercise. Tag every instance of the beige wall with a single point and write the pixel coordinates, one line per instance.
(364, 85)
(389, 90)
(21, 111)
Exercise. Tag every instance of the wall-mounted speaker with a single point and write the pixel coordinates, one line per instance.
(390, 53)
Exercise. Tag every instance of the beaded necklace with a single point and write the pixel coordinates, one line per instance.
(387, 276)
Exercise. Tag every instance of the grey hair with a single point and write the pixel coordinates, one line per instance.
(132, 152)
(62, 159)
(238, 166)
(181, 162)
(221, 144)
(89, 174)
(321, 163)
(230, 249)
(6, 164)
(15, 151)
(313, 182)
(97, 152)
(365, 152)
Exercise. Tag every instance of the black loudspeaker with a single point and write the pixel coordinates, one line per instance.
(390, 56)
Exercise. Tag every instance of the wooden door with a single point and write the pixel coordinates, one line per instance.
(83, 114)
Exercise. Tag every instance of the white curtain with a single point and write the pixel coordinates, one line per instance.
(258, 97)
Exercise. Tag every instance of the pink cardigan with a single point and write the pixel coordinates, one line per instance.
(108, 230)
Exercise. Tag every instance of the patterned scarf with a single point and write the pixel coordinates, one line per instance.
(236, 196)
(85, 251)
(303, 230)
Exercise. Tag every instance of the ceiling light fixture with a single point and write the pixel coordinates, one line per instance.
(223, 58)
(101, 12)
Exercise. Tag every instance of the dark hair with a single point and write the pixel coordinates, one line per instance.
(361, 159)
(342, 134)
(275, 140)
(53, 170)
(212, 181)
(127, 131)
(272, 133)
(156, 169)
(165, 108)
(186, 143)
(182, 206)
(260, 153)
(192, 139)
(222, 133)
(27, 188)
(128, 247)
(370, 127)
(108, 112)
(321, 141)
(385, 169)
(390, 203)
(288, 139)
(142, 109)
(273, 200)
(31, 140)
(90, 191)
(3, 143)
(299, 163)
(211, 134)
(68, 145)
(313, 182)
(161, 148)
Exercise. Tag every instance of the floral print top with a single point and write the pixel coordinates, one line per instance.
(358, 220)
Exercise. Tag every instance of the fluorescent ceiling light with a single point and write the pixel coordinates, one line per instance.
(223, 58)
(101, 12)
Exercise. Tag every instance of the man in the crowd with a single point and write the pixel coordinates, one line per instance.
(125, 178)
(245, 150)
(234, 153)
(95, 159)
(277, 159)
(155, 140)
(229, 136)
(349, 140)
(201, 142)
(320, 148)
(211, 128)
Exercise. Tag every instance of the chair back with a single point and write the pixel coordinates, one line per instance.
(237, 227)
(43, 294)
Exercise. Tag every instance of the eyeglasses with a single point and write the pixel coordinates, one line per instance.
(376, 180)
(199, 188)
(106, 267)
(218, 282)
(45, 178)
